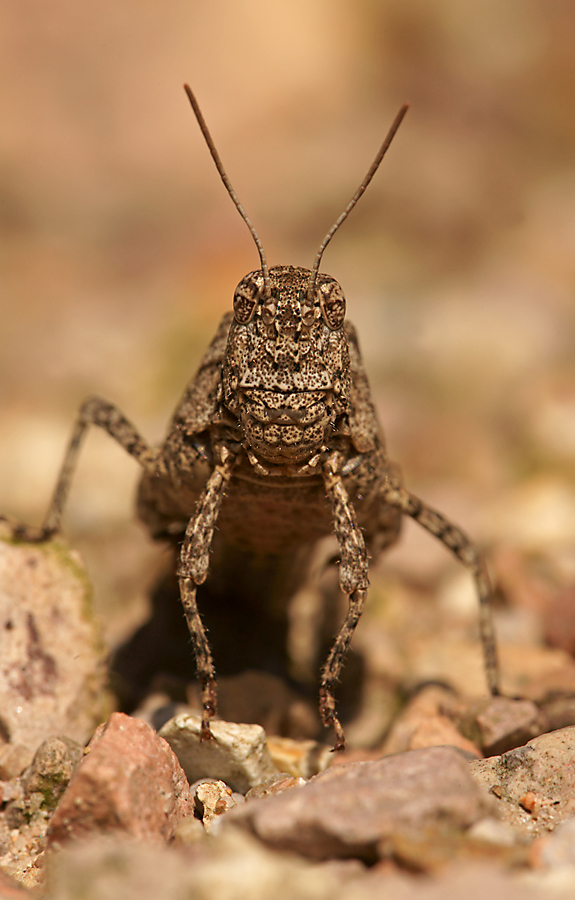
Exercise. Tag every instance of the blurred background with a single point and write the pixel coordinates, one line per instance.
(120, 250)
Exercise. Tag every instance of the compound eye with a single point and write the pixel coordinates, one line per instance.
(246, 299)
(332, 303)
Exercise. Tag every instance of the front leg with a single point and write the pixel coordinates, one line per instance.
(460, 545)
(353, 581)
(193, 571)
(94, 411)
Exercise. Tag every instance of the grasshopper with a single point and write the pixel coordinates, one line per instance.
(274, 445)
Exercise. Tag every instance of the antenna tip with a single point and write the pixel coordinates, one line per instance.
(402, 112)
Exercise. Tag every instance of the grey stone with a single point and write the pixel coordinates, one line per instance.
(499, 724)
(237, 754)
(351, 809)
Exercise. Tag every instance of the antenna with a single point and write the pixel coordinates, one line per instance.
(227, 183)
(361, 190)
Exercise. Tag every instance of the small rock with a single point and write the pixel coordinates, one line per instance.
(538, 775)
(189, 831)
(493, 831)
(51, 770)
(558, 849)
(212, 799)
(14, 758)
(302, 759)
(129, 781)
(52, 658)
(23, 842)
(12, 890)
(440, 731)
(277, 784)
(349, 810)
(430, 851)
(29, 800)
(342, 757)
(559, 709)
(536, 672)
(237, 754)
(232, 865)
(499, 724)
(468, 880)
(424, 723)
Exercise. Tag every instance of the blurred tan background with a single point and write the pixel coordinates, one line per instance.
(120, 249)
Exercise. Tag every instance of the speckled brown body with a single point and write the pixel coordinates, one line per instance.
(274, 445)
(275, 502)
(280, 418)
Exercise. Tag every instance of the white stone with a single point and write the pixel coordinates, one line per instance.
(237, 754)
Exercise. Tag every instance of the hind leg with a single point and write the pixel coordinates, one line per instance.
(94, 411)
(392, 494)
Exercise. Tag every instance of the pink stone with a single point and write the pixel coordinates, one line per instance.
(129, 781)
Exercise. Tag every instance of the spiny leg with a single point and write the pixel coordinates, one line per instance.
(193, 571)
(460, 545)
(94, 411)
(353, 582)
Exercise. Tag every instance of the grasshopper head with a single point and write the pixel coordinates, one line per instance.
(286, 374)
(286, 371)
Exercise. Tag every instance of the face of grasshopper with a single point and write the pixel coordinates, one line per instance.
(286, 373)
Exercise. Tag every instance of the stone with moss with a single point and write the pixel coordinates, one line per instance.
(53, 674)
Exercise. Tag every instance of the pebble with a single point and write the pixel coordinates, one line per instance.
(348, 810)
(129, 781)
(557, 850)
(51, 770)
(232, 865)
(499, 724)
(11, 889)
(212, 799)
(28, 803)
(534, 784)
(425, 723)
(14, 758)
(52, 658)
(302, 759)
(237, 754)
(277, 784)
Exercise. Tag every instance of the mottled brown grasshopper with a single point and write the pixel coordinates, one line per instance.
(276, 440)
